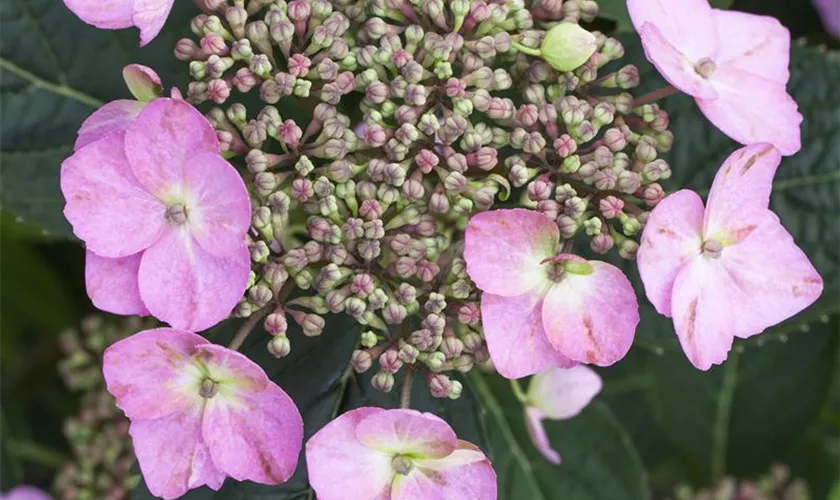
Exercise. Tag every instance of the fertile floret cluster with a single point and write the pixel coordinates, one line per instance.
(422, 114)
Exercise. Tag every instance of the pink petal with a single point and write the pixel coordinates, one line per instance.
(562, 393)
(673, 235)
(504, 250)
(189, 288)
(768, 277)
(171, 454)
(407, 432)
(337, 462)
(253, 433)
(539, 438)
(109, 210)
(151, 374)
(689, 27)
(110, 118)
(107, 14)
(751, 109)
(142, 81)
(25, 492)
(160, 141)
(673, 65)
(756, 44)
(149, 16)
(465, 474)
(830, 14)
(112, 284)
(703, 312)
(516, 340)
(741, 191)
(593, 318)
(220, 208)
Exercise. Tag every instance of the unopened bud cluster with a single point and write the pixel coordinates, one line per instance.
(98, 435)
(421, 114)
(775, 485)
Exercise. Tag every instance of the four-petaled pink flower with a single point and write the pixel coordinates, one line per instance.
(372, 453)
(734, 64)
(541, 308)
(557, 394)
(164, 218)
(25, 492)
(729, 270)
(147, 15)
(200, 412)
(116, 116)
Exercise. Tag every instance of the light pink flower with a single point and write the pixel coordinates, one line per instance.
(557, 394)
(830, 13)
(200, 412)
(729, 270)
(541, 308)
(734, 64)
(144, 84)
(372, 453)
(164, 218)
(25, 492)
(147, 15)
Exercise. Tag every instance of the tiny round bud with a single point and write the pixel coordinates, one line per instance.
(361, 361)
(567, 46)
(279, 346)
(383, 382)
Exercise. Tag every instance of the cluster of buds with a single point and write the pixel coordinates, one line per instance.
(423, 113)
(775, 485)
(98, 435)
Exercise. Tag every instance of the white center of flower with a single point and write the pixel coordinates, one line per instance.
(176, 214)
(712, 248)
(208, 388)
(705, 67)
(401, 465)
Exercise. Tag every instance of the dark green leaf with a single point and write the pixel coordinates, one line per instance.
(598, 458)
(56, 71)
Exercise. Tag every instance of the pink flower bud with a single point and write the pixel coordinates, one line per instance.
(390, 362)
(361, 361)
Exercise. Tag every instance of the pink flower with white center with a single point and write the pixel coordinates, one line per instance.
(729, 270)
(372, 453)
(116, 116)
(541, 308)
(557, 394)
(25, 492)
(734, 64)
(201, 412)
(147, 15)
(164, 218)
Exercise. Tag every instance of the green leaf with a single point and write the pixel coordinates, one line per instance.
(56, 71)
(616, 10)
(599, 460)
(314, 375)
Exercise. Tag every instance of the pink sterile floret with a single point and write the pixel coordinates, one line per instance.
(729, 270)
(557, 394)
(25, 492)
(541, 308)
(734, 64)
(200, 412)
(116, 116)
(164, 218)
(372, 453)
(147, 15)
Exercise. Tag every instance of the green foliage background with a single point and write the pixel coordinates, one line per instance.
(658, 421)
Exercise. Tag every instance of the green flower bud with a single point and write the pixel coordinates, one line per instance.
(566, 46)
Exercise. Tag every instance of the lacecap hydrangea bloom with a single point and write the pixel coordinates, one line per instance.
(372, 453)
(729, 270)
(734, 64)
(163, 216)
(200, 413)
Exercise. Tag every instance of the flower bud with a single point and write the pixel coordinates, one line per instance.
(567, 46)
(383, 382)
(279, 346)
(455, 390)
(361, 361)
(390, 362)
(439, 385)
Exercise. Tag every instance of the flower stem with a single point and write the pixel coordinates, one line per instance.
(518, 392)
(654, 96)
(405, 394)
(249, 325)
(526, 50)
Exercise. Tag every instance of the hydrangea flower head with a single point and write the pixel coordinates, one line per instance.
(200, 412)
(734, 64)
(147, 15)
(164, 218)
(542, 308)
(145, 85)
(372, 453)
(557, 394)
(729, 270)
